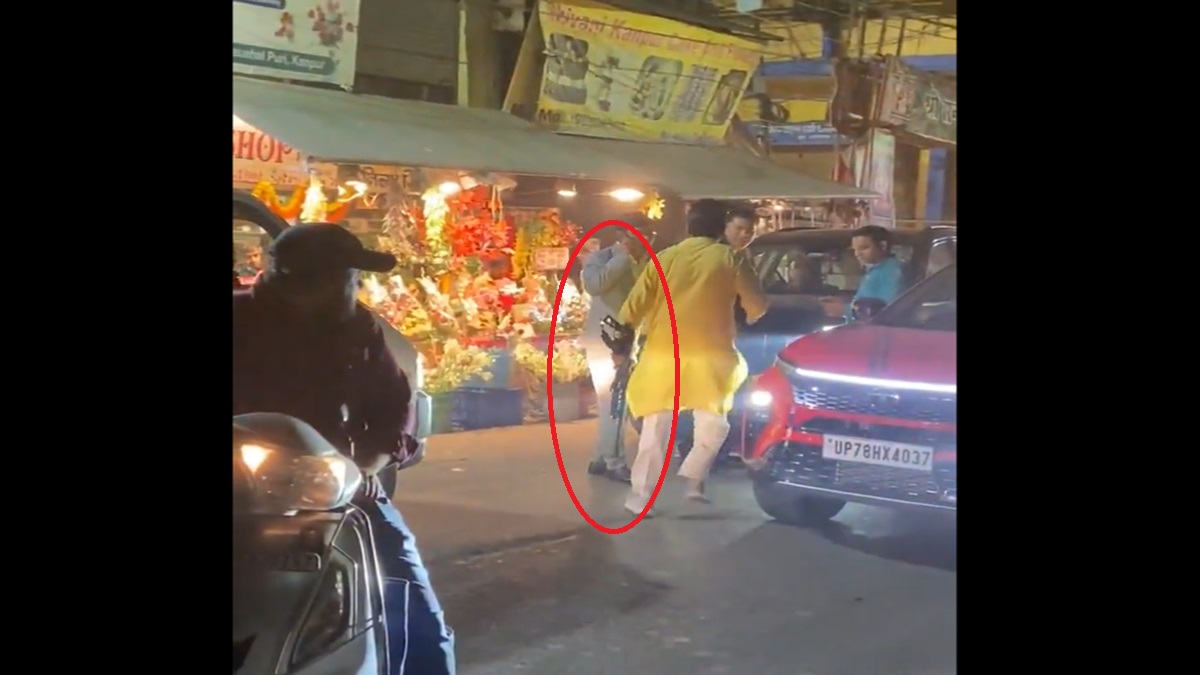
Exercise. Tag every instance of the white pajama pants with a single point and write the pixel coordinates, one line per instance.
(610, 442)
(652, 451)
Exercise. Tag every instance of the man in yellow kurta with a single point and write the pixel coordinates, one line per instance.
(704, 277)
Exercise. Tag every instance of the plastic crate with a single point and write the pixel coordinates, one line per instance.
(442, 413)
(480, 408)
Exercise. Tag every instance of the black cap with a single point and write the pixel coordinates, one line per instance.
(325, 247)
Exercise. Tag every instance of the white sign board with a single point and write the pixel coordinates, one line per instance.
(550, 258)
(309, 40)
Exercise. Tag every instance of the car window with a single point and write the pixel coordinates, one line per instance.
(799, 270)
(931, 305)
(941, 255)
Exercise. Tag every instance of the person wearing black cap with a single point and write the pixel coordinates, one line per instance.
(303, 346)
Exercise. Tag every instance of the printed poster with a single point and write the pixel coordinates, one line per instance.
(615, 74)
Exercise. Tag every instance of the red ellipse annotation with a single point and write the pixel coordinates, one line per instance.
(562, 469)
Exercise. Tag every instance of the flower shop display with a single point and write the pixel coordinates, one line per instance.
(455, 365)
(473, 290)
(570, 376)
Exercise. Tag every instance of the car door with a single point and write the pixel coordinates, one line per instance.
(942, 253)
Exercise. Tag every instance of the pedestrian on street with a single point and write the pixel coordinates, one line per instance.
(884, 278)
(303, 346)
(608, 275)
(704, 278)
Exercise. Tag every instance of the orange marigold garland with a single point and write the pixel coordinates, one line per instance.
(265, 192)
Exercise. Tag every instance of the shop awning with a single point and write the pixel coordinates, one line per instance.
(337, 126)
(717, 172)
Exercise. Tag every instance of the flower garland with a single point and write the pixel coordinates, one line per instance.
(309, 203)
(476, 224)
(435, 215)
(548, 231)
(265, 192)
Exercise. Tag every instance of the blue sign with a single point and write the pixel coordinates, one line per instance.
(797, 134)
(269, 4)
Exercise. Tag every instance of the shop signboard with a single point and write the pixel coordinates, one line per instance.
(615, 74)
(920, 104)
(551, 258)
(881, 171)
(258, 157)
(307, 40)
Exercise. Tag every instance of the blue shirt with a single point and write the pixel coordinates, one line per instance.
(883, 280)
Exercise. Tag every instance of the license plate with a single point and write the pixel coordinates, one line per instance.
(879, 453)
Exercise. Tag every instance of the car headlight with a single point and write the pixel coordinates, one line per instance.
(760, 398)
(280, 482)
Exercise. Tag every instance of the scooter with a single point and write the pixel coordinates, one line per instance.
(309, 596)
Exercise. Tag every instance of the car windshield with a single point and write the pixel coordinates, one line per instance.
(808, 269)
(931, 305)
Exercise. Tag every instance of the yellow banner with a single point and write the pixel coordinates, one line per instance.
(617, 74)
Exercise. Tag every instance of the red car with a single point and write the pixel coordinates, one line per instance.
(865, 412)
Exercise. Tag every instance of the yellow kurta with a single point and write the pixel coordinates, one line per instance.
(704, 277)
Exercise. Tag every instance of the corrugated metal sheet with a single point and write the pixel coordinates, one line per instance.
(353, 128)
(413, 40)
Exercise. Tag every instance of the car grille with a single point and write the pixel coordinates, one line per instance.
(903, 404)
(803, 464)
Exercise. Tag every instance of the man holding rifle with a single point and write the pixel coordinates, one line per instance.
(608, 275)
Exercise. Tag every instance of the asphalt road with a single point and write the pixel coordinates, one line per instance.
(530, 588)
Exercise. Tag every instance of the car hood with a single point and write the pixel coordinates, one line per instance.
(878, 351)
(788, 318)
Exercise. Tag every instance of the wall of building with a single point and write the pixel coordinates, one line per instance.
(409, 41)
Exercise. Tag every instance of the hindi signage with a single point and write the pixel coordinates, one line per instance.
(616, 74)
(920, 104)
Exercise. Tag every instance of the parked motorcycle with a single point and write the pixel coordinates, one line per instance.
(309, 596)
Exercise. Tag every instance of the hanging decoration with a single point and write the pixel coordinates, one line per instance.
(317, 208)
(433, 221)
(265, 192)
(309, 204)
(477, 224)
(548, 231)
(653, 206)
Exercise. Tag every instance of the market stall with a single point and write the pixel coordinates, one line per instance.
(474, 288)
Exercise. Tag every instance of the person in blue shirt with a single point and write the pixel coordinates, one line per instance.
(884, 276)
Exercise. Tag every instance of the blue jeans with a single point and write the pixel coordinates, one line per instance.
(430, 642)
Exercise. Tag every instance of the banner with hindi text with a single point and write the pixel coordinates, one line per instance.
(616, 74)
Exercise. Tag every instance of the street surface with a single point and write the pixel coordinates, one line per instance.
(531, 589)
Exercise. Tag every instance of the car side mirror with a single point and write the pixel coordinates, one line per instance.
(866, 308)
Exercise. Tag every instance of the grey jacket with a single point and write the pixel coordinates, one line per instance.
(608, 276)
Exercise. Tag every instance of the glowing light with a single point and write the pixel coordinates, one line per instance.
(253, 456)
(567, 192)
(880, 382)
(626, 194)
(760, 398)
(449, 187)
